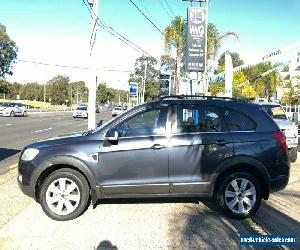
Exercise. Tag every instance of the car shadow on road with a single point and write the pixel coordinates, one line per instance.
(202, 227)
(277, 222)
(7, 152)
(190, 226)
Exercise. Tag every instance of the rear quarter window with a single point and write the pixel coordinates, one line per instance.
(238, 121)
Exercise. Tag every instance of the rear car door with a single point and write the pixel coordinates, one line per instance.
(199, 142)
(138, 163)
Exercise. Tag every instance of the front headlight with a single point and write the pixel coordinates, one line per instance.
(29, 154)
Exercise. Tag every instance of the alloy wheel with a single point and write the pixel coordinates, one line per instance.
(240, 196)
(63, 196)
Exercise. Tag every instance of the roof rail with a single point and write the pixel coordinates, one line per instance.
(203, 97)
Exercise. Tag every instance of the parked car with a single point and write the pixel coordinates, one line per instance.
(286, 125)
(12, 109)
(117, 111)
(228, 149)
(81, 112)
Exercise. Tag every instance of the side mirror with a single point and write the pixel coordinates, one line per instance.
(112, 135)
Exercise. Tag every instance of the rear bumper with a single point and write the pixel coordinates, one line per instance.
(279, 183)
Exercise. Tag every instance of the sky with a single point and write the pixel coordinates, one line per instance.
(58, 32)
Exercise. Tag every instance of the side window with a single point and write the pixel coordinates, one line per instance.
(192, 119)
(238, 121)
(148, 122)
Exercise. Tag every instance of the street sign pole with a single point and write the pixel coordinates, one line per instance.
(92, 84)
(196, 49)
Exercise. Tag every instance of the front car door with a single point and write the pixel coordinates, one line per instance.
(199, 142)
(138, 163)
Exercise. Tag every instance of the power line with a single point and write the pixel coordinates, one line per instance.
(149, 13)
(169, 7)
(137, 7)
(72, 67)
(161, 4)
(115, 33)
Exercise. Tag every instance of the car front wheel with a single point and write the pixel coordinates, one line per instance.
(64, 195)
(239, 195)
(12, 114)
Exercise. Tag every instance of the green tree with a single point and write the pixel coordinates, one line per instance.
(3, 87)
(151, 76)
(152, 89)
(174, 37)
(102, 93)
(236, 61)
(57, 89)
(14, 90)
(78, 91)
(8, 52)
(216, 88)
(241, 87)
(31, 91)
(168, 63)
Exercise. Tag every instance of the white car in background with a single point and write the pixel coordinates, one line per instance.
(289, 129)
(12, 109)
(81, 112)
(117, 111)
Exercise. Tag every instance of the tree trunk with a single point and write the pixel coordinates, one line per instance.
(177, 77)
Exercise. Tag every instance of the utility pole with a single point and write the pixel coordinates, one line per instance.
(144, 82)
(92, 84)
(44, 92)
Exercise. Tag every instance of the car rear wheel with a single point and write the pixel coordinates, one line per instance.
(239, 195)
(12, 114)
(293, 154)
(64, 195)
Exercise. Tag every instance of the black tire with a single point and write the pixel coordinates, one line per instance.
(12, 114)
(293, 154)
(82, 185)
(24, 114)
(220, 195)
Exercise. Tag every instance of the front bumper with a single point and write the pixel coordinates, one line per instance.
(4, 114)
(80, 115)
(25, 173)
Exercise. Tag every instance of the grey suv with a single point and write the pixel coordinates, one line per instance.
(176, 146)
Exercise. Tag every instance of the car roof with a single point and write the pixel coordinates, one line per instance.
(268, 103)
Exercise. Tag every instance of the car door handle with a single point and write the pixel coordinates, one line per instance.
(157, 146)
(221, 142)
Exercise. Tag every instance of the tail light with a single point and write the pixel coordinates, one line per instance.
(281, 139)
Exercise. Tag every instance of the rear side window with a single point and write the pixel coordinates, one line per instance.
(238, 121)
(192, 118)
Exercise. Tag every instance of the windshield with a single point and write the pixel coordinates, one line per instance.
(276, 112)
(81, 108)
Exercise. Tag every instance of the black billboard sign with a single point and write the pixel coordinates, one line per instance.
(196, 39)
(164, 84)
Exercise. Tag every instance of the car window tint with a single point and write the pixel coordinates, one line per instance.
(238, 121)
(149, 122)
(192, 119)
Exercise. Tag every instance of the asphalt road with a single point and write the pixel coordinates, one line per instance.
(17, 132)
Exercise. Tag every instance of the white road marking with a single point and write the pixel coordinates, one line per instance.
(8, 124)
(42, 130)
